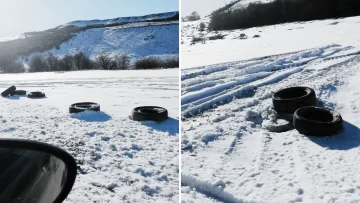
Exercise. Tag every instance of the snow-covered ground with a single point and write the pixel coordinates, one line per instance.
(229, 150)
(119, 160)
(274, 39)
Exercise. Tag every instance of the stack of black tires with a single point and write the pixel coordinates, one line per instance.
(307, 118)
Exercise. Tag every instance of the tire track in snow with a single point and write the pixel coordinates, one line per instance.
(249, 67)
(213, 100)
(226, 75)
(223, 87)
(299, 188)
(210, 190)
(241, 92)
(206, 70)
(200, 68)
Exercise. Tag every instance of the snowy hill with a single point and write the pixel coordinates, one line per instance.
(155, 34)
(135, 36)
(237, 4)
(230, 153)
(151, 17)
(135, 39)
(244, 3)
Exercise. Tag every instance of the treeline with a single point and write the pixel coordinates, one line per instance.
(194, 16)
(282, 11)
(79, 61)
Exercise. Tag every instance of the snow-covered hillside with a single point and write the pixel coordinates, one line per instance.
(244, 3)
(4, 39)
(134, 19)
(150, 35)
(136, 39)
(119, 160)
(230, 152)
(275, 39)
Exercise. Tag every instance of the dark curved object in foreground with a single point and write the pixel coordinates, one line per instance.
(9, 91)
(36, 95)
(317, 121)
(35, 172)
(153, 113)
(83, 106)
(288, 100)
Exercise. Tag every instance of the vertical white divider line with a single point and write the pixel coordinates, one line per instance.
(180, 101)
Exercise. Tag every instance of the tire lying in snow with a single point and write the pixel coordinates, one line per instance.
(19, 92)
(290, 99)
(317, 121)
(36, 95)
(153, 113)
(9, 91)
(83, 106)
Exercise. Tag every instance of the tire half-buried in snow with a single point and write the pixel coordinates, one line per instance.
(36, 95)
(288, 100)
(19, 92)
(9, 91)
(83, 106)
(317, 121)
(153, 113)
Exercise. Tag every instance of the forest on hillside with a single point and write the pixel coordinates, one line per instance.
(281, 11)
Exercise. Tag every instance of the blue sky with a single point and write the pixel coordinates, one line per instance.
(203, 7)
(18, 16)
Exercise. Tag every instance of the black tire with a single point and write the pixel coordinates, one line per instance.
(9, 91)
(36, 95)
(317, 121)
(20, 92)
(153, 113)
(83, 106)
(290, 99)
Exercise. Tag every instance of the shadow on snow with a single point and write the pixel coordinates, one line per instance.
(91, 116)
(170, 126)
(348, 138)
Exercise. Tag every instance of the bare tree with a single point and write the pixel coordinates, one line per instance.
(122, 61)
(38, 64)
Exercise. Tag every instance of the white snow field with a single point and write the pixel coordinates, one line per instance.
(119, 160)
(230, 152)
(275, 39)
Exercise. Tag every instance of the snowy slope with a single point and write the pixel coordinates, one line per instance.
(229, 150)
(274, 39)
(134, 19)
(244, 3)
(4, 39)
(136, 39)
(119, 160)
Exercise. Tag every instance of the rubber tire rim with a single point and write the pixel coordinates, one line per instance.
(288, 100)
(307, 121)
(83, 106)
(153, 113)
